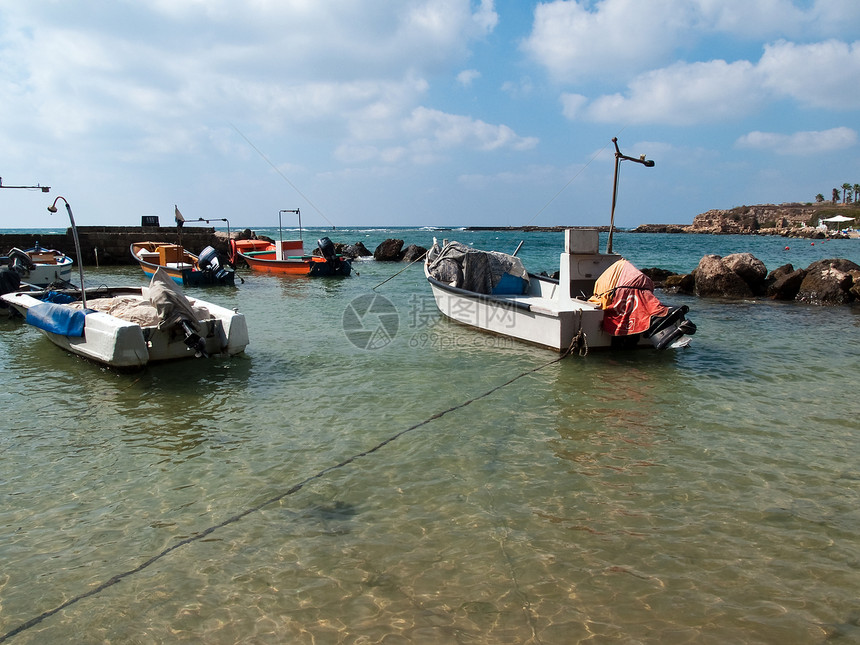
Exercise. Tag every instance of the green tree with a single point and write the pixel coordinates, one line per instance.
(835, 198)
(819, 198)
(846, 187)
(856, 192)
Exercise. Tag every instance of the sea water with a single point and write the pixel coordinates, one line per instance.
(431, 484)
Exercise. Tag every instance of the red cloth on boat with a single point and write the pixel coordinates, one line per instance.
(631, 301)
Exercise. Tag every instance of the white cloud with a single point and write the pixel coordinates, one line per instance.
(800, 143)
(615, 39)
(572, 105)
(683, 94)
(157, 78)
(468, 76)
(439, 131)
(518, 89)
(618, 36)
(818, 74)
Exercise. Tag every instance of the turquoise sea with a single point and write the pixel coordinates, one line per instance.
(430, 484)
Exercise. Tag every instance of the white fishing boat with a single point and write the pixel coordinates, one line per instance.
(130, 327)
(599, 300)
(39, 266)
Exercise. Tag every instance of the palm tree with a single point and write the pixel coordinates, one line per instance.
(856, 192)
(835, 198)
(845, 188)
(819, 198)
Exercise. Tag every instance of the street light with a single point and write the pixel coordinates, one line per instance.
(648, 163)
(53, 209)
(44, 189)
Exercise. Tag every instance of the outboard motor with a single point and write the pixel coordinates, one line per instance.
(208, 260)
(669, 328)
(327, 249)
(20, 262)
(193, 340)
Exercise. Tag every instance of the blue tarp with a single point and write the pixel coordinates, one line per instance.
(57, 319)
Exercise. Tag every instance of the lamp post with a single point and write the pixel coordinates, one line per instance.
(618, 159)
(53, 209)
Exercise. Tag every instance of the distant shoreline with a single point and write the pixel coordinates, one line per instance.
(538, 229)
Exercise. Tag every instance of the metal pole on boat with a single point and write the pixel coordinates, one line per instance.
(289, 210)
(648, 163)
(53, 209)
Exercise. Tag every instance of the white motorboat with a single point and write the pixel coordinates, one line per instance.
(598, 300)
(492, 292)
(130, 327)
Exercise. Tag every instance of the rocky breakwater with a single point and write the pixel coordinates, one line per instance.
(741, 276)
(391, 250)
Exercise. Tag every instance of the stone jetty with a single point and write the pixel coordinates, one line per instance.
(109, 245)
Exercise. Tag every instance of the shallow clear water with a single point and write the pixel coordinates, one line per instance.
(708, 495)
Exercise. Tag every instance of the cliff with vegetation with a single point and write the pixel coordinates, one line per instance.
(791, 219)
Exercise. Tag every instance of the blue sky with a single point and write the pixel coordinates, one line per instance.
(425, 112)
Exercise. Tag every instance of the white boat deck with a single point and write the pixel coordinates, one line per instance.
(543, 298)
(541, 304)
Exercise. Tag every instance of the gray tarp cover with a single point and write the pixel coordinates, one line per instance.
(171, 304)
(471, 269)
(166, 305)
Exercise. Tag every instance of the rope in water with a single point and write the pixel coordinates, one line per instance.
(277, 498)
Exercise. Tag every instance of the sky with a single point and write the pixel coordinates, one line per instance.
(422, 112)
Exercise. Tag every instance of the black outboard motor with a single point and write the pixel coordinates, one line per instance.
(327, 249)
(334, 264)
(193, 340)
(208, 260)
(20, 262)
(665, 330)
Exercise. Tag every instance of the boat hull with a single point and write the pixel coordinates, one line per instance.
(182, 266)
(309, 265)
(120, 343)
(529, 319)
(44, 274)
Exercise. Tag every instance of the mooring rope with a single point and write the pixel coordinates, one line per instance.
(418, 259)
(277, 498)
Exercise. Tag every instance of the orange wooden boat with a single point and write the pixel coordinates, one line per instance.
(288, 256)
